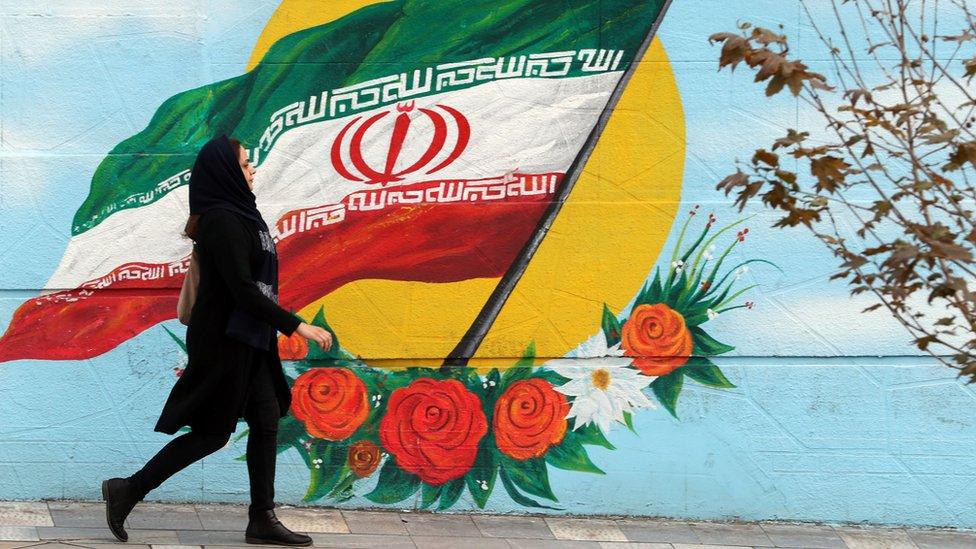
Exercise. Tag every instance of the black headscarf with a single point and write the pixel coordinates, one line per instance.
(217, 181)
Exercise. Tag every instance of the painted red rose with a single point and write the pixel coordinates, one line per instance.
(432, 429)
(658, 339)
(363, 458)
(331, 402)
(530, 417)
(294, 347)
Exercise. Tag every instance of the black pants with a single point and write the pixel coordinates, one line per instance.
(261, 413)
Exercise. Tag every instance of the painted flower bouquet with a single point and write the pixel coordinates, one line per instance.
(433, 436)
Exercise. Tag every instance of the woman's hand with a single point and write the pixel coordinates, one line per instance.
(316, 334)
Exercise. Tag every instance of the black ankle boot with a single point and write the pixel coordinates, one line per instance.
(264, 527)
(120, 497)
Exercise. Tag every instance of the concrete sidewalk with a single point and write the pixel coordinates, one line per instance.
(166, 526)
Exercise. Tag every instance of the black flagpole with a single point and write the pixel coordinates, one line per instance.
(476, 333)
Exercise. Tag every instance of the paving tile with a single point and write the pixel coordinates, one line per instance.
(157, 537)
(16, 544)
(585, 529)
(438, 542)
(162, 516)
(657, 531)
(210, 537)
(327, 521)
(730, 534)
(709, 546)
(943, 539)
(81, 514)
(552, 544)
(55, 545)
(633, 545)
(374, 522)
(222, 517)
(427, 524)
(807, 536)
(874, 538)
(363, 541)
(96, 535)
(155, 546)
(85, 535)
(512, 527)
(19, 533)
(116, 545)
(25, 513)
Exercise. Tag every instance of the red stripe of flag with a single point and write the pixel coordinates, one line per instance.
(429, 242)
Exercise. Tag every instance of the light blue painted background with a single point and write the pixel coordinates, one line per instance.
(835, 417)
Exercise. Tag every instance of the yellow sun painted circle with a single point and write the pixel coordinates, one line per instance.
(600, 249)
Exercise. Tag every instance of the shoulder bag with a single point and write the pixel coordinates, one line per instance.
(188, 293)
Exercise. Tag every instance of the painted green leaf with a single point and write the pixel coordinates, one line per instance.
(571, 456)
(671, 296)
(394, 484)
(611, 326)
(289, 431)
(317, 353)
(176, 338)
(629, 422)
(528, 356)
(530, 476)
(519, 497)
(299, 446)
(691, 293)
(721, 296)
(641, 295)
(705, 372)
(651, 294)
(484, 469)
(706, 345)
(696, 314)
(243, 434)
(592, 435)
(656, 291)
(324, 477)
(428, 495)
(551, 376)
(417, 372)
(520, 370)
(450, 493)
(494, 380)
(667, 388)
(343, 490)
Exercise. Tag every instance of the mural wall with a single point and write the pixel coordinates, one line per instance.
(522, 190)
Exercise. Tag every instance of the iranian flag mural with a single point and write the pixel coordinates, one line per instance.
(505, 213)
(506, 164)
(418, 141)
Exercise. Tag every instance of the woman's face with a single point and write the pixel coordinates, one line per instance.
(246, 167)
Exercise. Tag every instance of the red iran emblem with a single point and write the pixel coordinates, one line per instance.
(363, 171)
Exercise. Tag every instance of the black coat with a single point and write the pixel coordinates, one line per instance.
(211, 393)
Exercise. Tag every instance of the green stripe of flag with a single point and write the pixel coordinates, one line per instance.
(376, 41)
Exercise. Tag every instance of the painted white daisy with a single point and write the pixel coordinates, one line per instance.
(596, 347)
(709, 253)
(711, 314)
(602, 383)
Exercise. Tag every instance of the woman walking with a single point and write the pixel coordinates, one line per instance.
(234, 369)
